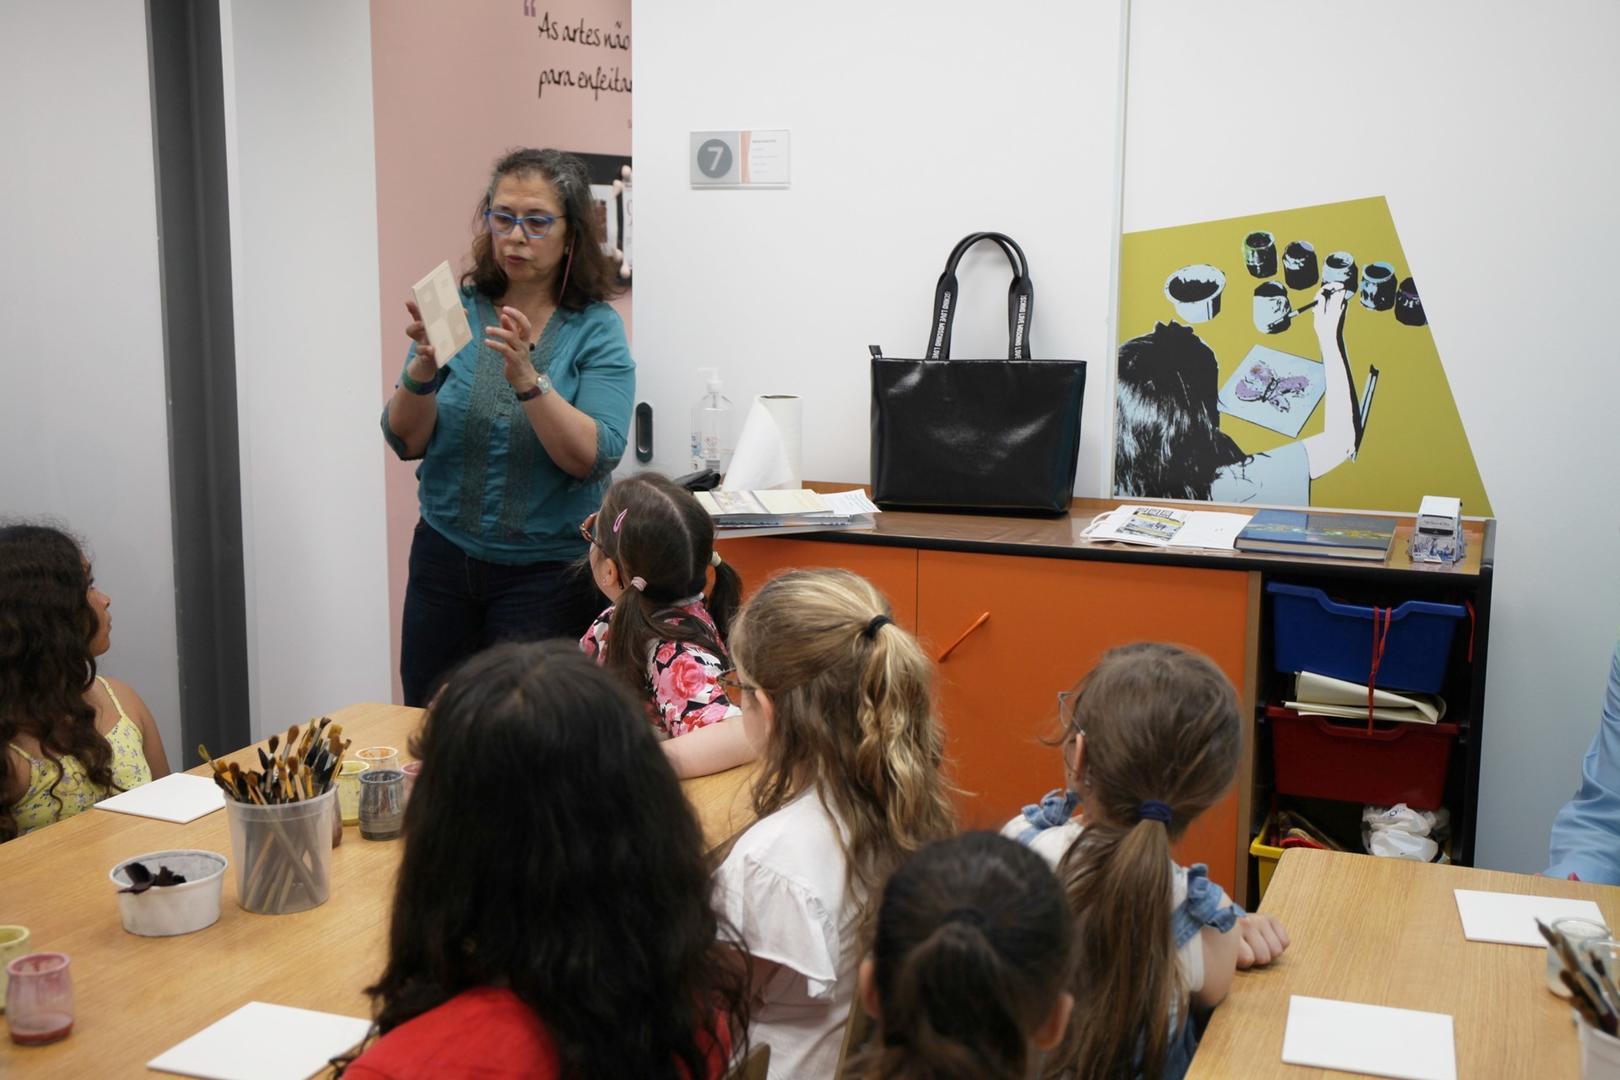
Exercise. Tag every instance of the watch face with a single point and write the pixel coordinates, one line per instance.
(543, 381)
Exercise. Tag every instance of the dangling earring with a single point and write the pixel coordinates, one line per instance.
(563, 289)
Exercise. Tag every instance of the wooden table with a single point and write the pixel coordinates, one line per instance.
(1386, 932)
(136, 996)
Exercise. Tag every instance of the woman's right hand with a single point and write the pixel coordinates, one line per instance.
(424, 365)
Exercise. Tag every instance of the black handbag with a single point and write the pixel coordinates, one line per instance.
(997, 436)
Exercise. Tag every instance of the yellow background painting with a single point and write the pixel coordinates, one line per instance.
(1414, 442)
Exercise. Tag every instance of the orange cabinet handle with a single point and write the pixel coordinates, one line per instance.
(980, 621)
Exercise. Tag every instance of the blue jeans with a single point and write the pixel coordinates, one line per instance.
(456, 605)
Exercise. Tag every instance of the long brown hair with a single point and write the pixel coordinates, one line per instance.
(591, 275)
(854, 715)
(46, 667)
(655, 530)
(1160, 724)
(970, 955)
(600, 922)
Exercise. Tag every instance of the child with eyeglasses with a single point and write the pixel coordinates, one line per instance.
(651, 550)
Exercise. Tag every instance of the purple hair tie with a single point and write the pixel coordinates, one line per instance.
(639, 584)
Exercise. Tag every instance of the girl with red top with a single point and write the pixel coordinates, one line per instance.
(652, 546)
(552, 913)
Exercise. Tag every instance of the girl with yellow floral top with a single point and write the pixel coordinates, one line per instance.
(69, 736)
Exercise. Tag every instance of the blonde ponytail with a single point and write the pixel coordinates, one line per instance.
(854, 714)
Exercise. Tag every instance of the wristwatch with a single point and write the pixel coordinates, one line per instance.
(542, 385)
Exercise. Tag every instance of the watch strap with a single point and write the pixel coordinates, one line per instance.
(542, 385)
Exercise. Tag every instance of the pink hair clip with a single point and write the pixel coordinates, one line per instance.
(620, 519)
(639, 584)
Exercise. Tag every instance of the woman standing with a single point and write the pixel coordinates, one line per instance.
(517, 432)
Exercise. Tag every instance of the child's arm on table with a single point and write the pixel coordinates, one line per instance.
(709, 749)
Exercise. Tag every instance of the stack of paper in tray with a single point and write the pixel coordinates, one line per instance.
(1320, 695)
(755, 513)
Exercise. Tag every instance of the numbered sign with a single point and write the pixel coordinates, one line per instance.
(733, 159)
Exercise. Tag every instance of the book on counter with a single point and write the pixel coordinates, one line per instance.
(1167, 527)
(1307, 532)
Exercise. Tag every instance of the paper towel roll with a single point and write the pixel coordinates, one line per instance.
(770, 450)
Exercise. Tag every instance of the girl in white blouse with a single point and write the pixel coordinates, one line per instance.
(838, 701)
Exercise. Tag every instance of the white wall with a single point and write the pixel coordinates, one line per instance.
(304, 268)
(912, 125)
(1487, 127)
(83, 428)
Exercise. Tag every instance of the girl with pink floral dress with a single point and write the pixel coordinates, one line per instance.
(652, 547)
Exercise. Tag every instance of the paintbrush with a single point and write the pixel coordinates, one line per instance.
(1579, 982)
(318, 742)
(1605, 981)
(1594, 1012)
(220, 776)
(1577, 998)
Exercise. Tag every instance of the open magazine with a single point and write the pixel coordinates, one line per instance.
(1167, 527)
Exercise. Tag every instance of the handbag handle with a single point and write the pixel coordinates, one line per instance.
(1020, 298)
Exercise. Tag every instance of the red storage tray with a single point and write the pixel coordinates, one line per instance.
(1321, 757)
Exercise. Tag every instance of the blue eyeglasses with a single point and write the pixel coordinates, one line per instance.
(535, 226)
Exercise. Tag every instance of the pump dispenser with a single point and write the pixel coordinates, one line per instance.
(711, 431)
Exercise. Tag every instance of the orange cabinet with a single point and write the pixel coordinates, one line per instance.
(1049, 621)
(892, 569)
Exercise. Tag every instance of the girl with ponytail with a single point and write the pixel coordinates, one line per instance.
(1151, 740)
(970, 964)
(652, 547)
(838, 701)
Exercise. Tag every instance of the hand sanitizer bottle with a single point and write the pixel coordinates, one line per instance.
(711, 441)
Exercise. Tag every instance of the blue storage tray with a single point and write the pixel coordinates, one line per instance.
(1314, 633)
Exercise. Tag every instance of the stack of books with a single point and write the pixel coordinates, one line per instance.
(1307, 532)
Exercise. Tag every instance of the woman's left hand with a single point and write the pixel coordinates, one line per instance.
(511, 340)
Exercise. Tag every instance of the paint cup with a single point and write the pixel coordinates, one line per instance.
(170, 910)
(1260, 253)
(39, 998)
(1600, 1053)
(1195, 292)
(1299, 265)
(1272, 311)
(1408, 306)
(411, 769)
(1580, 932)
(13, 943)
(348, 790)
(1340, 267)
(382, 803)
(1378, 286)
(379, 757)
